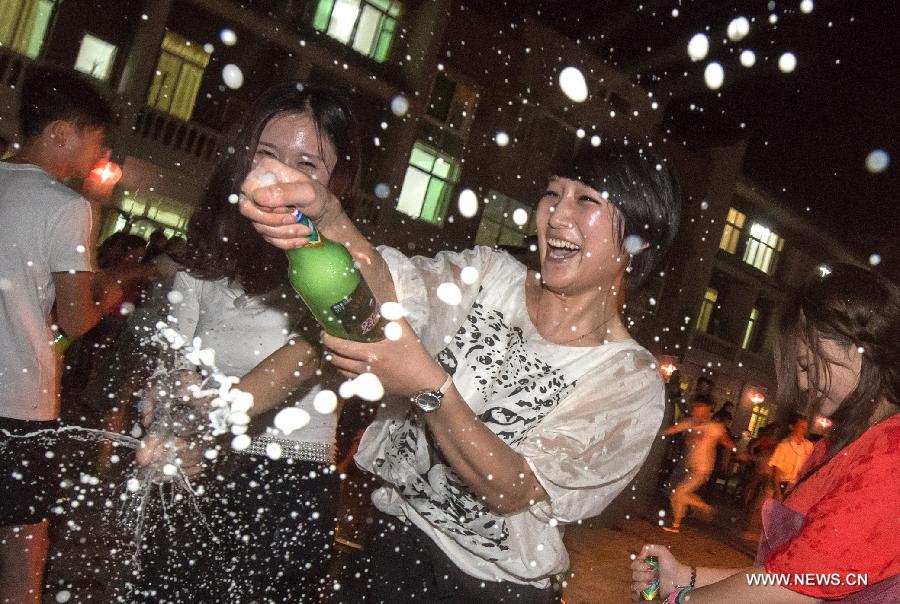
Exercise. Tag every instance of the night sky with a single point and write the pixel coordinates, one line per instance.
(809, 131)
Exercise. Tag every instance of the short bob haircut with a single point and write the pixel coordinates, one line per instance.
(644, 191)
(224, 244)
(50, 95)
(852, 306)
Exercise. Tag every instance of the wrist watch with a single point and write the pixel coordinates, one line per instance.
(430, 400)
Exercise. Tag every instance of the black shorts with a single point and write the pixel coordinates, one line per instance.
(29, 471)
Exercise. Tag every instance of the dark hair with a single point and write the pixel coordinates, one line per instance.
(851, 306)
(115, 247)
(705, 380)
(224, 244)
(50, 95)
(644, 191)
(702, 400)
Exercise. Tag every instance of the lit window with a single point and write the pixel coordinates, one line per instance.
(762, 248)
(95, 57)
(368, 26)
(429, 180)
(731, 234)
(758, 419)
(504, 221)
(706, 309)
(23, 25)
(179, 72)
(751, 329)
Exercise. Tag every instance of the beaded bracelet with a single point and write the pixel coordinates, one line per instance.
(677, 595)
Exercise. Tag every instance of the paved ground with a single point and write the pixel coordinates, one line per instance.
(600, 556)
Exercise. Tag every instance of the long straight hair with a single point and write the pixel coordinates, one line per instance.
(851, 306)
(224, 244)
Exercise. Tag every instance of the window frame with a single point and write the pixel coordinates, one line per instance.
(732, 231)
(450, 180)
(762, 250)
(382, 44)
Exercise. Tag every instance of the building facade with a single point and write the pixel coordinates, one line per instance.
(452, 97)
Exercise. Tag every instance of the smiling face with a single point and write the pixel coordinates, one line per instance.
(578, 236)
(293, 139)
(838, 373)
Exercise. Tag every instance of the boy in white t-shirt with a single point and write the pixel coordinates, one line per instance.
(789, 456)
(46, 280)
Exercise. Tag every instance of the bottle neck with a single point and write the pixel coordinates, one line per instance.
(315, 238)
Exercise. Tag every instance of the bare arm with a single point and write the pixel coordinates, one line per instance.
(490, 468)
(279, 374)
(678, 428)
(737, 587)
(76, 311)
(494, 472)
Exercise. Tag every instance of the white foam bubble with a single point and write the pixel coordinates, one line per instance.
(573, 84)
(382, 191)
(393, 331)
(274, 451)
(240, 442)
(469, 275)
(399, 105)
(748, 58)
(228, 37)
(501, 138)
(368, 387)
(698, 47)
(449, 293)
(290, 419)
(520, 217)
(325, 402)
(393, 311)
(633, 244)
(787, 62)
(468, 203)
(175, 297)
(267, 178)
(714, 75)
(738, 29)
(232, 76)
(878, 161)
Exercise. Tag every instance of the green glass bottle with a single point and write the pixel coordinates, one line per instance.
(323, 273)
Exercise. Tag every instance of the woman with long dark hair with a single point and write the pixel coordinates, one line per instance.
(837, 357)
(269, 507)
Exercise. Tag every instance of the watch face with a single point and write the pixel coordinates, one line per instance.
(427, 401)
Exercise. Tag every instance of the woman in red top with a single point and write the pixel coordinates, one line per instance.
(835, 537)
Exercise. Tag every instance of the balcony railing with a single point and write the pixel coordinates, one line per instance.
(179, 137)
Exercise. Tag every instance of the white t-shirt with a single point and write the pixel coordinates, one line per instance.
(789, 457)
(583, 418)
(244, 330)
(45, 228)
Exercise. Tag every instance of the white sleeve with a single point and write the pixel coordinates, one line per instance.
(187, 311)
(591, 446)
(418, 279)
(71, 247)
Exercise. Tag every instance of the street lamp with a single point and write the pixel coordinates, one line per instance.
(667, 369)
(757, 398)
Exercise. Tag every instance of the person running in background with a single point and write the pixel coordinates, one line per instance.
(789, 456)
(47, 286)
(703, 435)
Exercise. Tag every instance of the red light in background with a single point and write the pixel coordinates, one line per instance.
(106, 172)
(668, 369)
(757, 398)
(824, 423)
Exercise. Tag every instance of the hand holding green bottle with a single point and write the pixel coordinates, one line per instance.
(321, 271)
